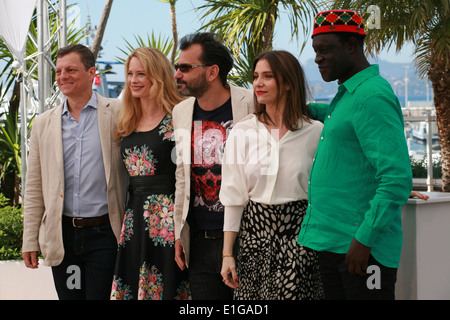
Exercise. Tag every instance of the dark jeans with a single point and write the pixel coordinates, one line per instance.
(205, 263)
(339, 284)
(87, 270)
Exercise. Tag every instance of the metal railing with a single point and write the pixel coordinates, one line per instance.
(428, 116)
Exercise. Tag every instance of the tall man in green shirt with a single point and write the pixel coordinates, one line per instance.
(361, 174)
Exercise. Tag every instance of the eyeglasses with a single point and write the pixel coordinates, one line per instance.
(184, 67)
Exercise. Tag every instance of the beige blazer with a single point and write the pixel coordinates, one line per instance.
(242, 105)
(44, 187)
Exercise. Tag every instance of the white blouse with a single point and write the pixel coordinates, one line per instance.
(258, 167)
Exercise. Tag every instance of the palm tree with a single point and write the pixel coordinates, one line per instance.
(426, 24)
(163, 44)
(10, 156)
(173, 20)
(247, 27)
(95, 48)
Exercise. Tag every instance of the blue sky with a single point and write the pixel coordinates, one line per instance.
(130, 18)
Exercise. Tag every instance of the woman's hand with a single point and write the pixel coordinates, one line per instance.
(418, 195)
(229, 275)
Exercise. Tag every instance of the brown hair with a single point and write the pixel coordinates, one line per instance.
(164, 88)
(86, 55)
(286, 70)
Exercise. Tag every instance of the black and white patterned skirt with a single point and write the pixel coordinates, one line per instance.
(271, 265)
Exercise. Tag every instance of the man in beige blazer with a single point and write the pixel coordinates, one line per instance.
(202, 70)
(74, 192)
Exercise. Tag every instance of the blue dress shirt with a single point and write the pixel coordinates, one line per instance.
(84, 173)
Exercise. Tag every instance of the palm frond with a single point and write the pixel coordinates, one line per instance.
(162, 43)
(247, 27)
(425, 23)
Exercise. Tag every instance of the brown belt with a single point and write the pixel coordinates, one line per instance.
(212, 234)
(86, 222)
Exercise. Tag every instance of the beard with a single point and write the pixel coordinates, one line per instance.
(195, 88)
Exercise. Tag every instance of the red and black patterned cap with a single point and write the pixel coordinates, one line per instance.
(338, 21)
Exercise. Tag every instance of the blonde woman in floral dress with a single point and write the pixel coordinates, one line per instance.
(145, 266)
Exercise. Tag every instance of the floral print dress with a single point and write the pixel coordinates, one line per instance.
(145, 266)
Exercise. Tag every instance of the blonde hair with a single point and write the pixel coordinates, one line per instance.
(164, 89)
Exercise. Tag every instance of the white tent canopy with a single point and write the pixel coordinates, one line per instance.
(15, 18)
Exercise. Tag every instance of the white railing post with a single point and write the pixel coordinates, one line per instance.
(429, 152)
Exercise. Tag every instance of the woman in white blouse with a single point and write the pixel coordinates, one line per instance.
(265, 169)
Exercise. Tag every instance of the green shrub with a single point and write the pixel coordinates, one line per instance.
(11, 229)
(420, 167)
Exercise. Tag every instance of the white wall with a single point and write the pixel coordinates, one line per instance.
(424, 271)
(17, 282)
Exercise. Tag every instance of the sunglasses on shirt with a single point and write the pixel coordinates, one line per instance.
(184, 67)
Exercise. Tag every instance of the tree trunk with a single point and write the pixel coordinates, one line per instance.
(440, 80)
(173, 19)
(95, 48)
(268, 29)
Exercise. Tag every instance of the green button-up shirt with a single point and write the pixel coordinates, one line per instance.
(361, 174)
